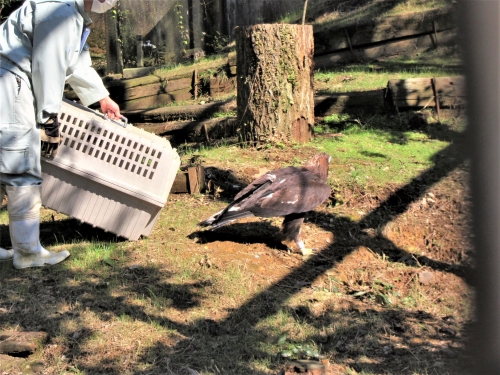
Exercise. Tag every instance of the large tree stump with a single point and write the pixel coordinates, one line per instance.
(275, 82)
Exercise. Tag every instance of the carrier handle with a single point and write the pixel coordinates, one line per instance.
(119, 123)
(104, 116)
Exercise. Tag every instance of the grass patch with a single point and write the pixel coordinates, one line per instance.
(233, 301)
(346, 13)
(378, 157)
(93, 256)
(212, 62)
(224, 114)
(367, 77)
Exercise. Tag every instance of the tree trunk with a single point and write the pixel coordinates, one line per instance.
(275, 82)
(113, 49)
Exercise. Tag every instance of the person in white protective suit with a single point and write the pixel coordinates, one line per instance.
(42, 46)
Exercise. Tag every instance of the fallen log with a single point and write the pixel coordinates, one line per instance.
(326, 105)
(196, 131)
(21, 342)
(176, 113)
(156, 101)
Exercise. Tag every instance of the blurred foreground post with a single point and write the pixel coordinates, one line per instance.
(479, 24)
(113, 47)
(140, 53)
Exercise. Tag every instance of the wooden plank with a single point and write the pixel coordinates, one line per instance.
(326, 105)
(418, 92)
(147, 102)
(179, 112)
(121, 94)
(179, 131)
(176, 88)
(180, 95)
(231, 58)
(155, 101)
(182, 126)
(404, 87)
(389, 48)
(451, 91)
(191, 181)
(196, 176)
(181, 183)
(219, 86)
(186, 71)
(384, 28)
(129, 83)
(178, 84)
(117, 87)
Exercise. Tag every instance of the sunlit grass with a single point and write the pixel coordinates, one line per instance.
(204, 63)
(358, 78)
(362, 154)
(341, 14)
(147, 306)
(378, 157)
(4, 216)
(411, 6)
(224, 114)
(94, 255)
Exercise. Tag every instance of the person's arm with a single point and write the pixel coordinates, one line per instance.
(110, 108)
(89, 87)
(55, 37)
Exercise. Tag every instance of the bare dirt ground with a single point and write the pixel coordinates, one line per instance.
(387, 292)
(406, 264)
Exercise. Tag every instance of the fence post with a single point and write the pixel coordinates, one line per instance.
(113, 47)
(140, 53)
(480, 38)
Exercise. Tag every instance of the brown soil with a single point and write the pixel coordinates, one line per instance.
(423, 251)
(386, 293)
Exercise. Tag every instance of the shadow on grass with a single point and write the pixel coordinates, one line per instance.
(234, 344)
(64, 231)
(50, 299)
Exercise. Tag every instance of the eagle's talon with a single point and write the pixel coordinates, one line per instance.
(307, 254)
(306, 251)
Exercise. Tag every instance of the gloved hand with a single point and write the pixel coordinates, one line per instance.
(51, 138)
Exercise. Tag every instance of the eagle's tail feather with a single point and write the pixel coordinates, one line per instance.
(217, 220)
(209, 221)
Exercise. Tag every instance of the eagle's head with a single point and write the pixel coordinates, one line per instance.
(318, 164)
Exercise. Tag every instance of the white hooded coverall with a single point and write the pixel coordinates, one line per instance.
(41, 48)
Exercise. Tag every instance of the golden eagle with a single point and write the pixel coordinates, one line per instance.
(290, 192)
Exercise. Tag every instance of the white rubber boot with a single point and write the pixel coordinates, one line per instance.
(24, 225)
(4, 254)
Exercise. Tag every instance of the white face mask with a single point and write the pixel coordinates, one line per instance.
(98, 7)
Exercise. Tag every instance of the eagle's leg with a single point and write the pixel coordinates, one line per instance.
(291, 232)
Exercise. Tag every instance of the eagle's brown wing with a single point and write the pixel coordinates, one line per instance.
(277, 193)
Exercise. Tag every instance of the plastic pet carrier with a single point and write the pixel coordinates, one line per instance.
(107, 174)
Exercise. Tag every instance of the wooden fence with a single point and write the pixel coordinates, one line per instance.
(380, 38)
